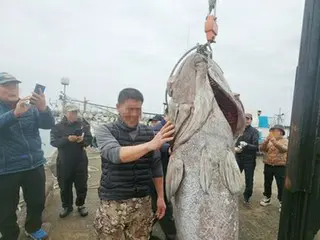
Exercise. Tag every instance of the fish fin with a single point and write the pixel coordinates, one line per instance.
(181, 122)
(205, 170)
(191, 117)
(230, 173)
(174, 176)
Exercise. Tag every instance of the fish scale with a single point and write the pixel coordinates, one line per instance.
(203, 178)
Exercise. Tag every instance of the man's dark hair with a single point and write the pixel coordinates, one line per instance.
(130, 93)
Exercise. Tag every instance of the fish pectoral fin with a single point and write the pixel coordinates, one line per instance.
(206, 170)
(230, 173)
(174, 176)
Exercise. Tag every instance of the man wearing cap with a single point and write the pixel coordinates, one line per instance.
(21, 158)
(155, 120)
(71, 136)
(246, 153)
(275, 149)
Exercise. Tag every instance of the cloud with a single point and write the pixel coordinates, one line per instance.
(103, 46)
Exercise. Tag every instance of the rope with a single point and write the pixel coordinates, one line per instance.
(205, 49)
(174, 69)
(212, 6)
(202, 49)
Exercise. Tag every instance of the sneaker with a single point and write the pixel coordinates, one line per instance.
(265, 202)
(38, 235)
(246, 203)
(83, 211)
(65, 212)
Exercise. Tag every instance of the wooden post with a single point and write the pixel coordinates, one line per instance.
(300, 216)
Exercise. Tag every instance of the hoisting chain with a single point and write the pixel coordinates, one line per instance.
(211, 30)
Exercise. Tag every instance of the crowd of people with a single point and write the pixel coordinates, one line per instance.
(274, 149)
(134, 161)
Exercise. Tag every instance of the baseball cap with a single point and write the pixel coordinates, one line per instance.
(156, 117)
(7, 78)
(279, 127)
(248, 115)
(72, 108)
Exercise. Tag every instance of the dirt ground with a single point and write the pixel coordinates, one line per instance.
(256, 222)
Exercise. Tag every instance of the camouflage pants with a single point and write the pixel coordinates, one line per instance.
(130, 219)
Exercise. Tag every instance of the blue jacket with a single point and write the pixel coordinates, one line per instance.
(20, 142)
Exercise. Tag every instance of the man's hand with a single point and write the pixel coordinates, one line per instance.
(273, 140)
(163, 136)
(238, 150)
(73, 138)
(161, 208)
(22, 107)
(80, 139)
(39, 100)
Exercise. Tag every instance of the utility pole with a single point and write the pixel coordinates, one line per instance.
(280, 117)
(85, 102)
(300, 216)
(65, 82)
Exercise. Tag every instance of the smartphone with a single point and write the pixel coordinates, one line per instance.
(39, 88)
(78, 132)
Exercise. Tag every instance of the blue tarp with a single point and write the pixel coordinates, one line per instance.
(263, 122)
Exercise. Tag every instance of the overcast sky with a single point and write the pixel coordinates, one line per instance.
(104, 46)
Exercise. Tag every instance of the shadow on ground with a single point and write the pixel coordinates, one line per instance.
(256, 222)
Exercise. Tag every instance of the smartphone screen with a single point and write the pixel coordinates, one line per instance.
(78, 132)
(39, 88)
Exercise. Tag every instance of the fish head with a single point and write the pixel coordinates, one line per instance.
(229, 102)
(194, 88)
(181, 87)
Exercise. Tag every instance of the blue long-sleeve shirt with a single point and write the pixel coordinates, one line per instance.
(20, 142)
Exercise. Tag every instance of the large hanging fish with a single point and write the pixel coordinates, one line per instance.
(203, 178)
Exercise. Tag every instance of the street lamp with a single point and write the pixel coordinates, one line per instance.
(65, 82)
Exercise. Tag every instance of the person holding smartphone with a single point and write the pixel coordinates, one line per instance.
(21, 157)
(71, 136)
(275, 148)
(246, 149)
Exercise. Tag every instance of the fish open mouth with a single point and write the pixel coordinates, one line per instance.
(227, 105)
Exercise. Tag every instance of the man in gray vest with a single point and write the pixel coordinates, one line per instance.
(130, 161)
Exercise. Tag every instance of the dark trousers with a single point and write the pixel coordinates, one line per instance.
(273, 171)
(68, 175)
(247, 164)
(167, 222)
(32, 183)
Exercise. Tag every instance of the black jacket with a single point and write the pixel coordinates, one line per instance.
(70, 152)
(251, 137)
(128, 180)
